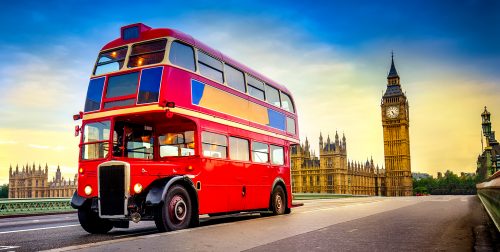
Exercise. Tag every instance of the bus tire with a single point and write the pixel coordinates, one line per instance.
(176, 212)
(91, 222)
(278, 201)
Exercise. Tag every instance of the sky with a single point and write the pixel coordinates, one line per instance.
(333, 56)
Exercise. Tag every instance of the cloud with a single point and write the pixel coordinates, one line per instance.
(35, 146)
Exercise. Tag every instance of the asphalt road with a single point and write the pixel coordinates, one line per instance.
(428, 223)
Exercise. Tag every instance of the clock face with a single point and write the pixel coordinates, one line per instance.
(392, 112)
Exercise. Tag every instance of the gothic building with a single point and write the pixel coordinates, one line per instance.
(332, 172)
(396, 124)
(489, 161)
(30, 182)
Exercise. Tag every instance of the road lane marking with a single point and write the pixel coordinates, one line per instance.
(36, 229)
(352, 230)
(8, 247)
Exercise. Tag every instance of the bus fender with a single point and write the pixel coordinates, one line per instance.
(276, 181)
(77, 201)
(158, 191)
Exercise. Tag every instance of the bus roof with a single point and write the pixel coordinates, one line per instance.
(147, 33)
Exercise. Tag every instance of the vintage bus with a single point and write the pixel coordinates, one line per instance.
(173, 129)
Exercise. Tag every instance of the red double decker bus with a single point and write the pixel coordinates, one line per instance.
(173, 129)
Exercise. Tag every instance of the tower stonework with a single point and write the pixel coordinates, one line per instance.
(395, 124)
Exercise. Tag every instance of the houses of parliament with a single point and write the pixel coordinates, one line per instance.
(33, 182)
(333, 173)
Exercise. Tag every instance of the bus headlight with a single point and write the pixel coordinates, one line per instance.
(138, 188)
(88, 190)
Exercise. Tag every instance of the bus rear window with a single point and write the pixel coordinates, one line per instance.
(147, 53)
(110, 61)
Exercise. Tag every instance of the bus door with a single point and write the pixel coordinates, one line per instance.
(259, 177)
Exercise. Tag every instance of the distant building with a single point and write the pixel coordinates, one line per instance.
(34, 183)
(420, 175)
(488, 162)
(332, 172)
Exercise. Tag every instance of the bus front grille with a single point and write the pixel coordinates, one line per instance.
(112, 190)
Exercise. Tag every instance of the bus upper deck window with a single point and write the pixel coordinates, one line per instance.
(147, 53)
(182, 55)
(110, 61)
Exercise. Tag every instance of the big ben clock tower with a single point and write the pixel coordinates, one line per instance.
(396, 123)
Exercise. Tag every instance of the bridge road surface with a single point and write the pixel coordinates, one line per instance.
(349, 224)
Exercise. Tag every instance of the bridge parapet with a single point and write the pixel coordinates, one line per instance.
(489, 193)
(34, 206)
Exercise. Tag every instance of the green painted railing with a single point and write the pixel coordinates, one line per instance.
(34, 206)
(489, 193)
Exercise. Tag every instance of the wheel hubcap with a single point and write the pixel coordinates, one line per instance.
(278, 203)
(177, 209)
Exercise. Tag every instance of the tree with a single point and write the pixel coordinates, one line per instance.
(4, 191)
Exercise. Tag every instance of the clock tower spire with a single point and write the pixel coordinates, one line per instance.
(395, 124)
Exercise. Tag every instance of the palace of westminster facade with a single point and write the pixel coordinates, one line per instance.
(333, 173)
(30, 182)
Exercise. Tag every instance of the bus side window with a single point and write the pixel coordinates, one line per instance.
(182, 55)
(214, 145)
(235, 78)
(256, 88)
(286, 103)
(273, 96)
(277, 155)
(210, 67)
(260, 152)
(238, 149)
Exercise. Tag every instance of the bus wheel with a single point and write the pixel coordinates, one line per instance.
(91, 222)
(176, 211)
(278, 201)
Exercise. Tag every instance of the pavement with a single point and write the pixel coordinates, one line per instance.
(430, 223)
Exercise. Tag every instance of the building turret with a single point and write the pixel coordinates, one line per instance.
(58, 174)
(336, 139)
(10, 170)
(320, 141)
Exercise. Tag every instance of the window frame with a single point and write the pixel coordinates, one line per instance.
(283, 94)
(271, 161)
(207, 64)
(195, 58)
(125, 59)
(231, 147)
(250, 85)
(226, 79)
(83, 144)
(130, 55)
(252, 152)
(202, 143)
(267, 86)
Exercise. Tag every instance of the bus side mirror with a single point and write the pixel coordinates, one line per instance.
(77, 130)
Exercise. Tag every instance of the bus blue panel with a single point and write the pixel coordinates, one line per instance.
(149, 87)
(276, 119)
(94, 94)
(197, 91)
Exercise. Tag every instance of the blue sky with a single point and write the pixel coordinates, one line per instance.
(333, 55)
